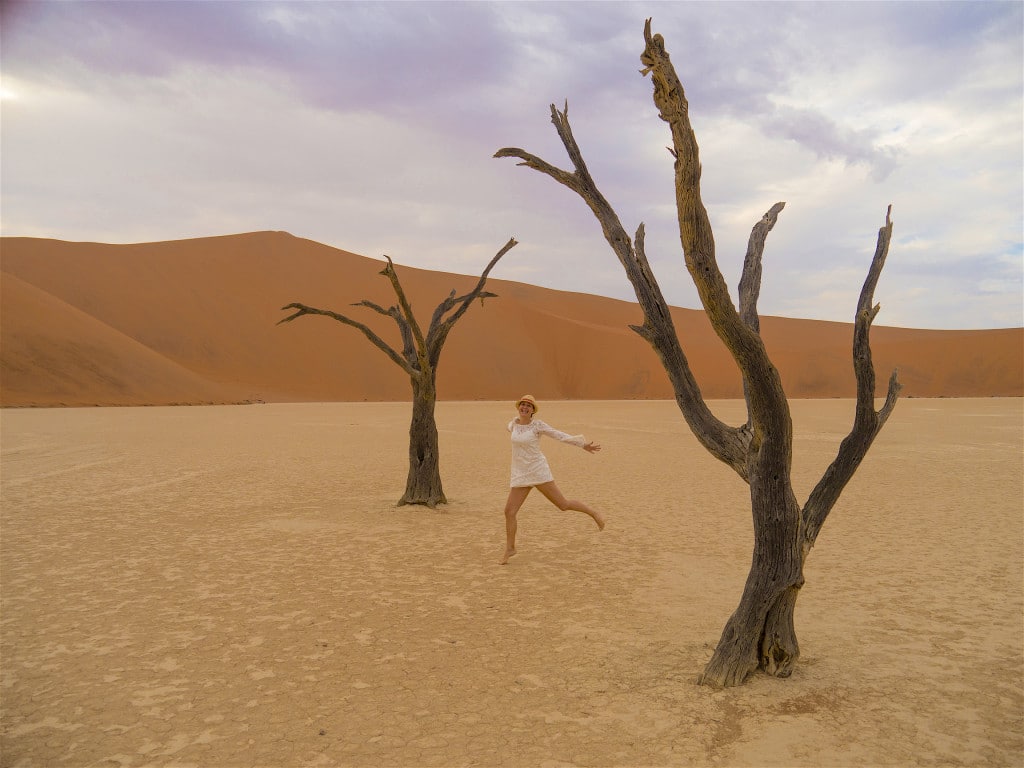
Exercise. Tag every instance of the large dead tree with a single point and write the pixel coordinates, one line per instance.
(418, 358)
(761, 632)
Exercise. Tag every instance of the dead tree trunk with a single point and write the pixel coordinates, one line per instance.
(419, 359)
(424, 481)
(761, 632)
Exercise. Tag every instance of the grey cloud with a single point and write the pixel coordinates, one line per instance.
(147, 39)
(953, 26)
(830, 141)
(342, 56)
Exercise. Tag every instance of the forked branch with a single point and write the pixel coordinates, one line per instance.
(441, 325)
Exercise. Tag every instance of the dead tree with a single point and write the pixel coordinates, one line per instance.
(761, 632)
(418, 358)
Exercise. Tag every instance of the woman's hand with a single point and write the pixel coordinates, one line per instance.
(591, 447)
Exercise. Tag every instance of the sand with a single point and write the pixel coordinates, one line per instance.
(194, 321)
(234, 586)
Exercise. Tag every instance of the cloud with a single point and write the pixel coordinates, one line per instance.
(371, 126)
(830, 141)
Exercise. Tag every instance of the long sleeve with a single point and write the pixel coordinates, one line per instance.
(545, 429)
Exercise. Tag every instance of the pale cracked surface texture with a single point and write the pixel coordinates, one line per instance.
(233, 586)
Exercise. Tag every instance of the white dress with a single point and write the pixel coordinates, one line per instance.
(529, 465)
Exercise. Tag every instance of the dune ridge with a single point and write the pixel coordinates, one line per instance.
(194, 321)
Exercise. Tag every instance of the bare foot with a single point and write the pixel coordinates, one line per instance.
(506, 556)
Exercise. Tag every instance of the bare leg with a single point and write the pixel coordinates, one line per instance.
(516, 497)
(552, 494)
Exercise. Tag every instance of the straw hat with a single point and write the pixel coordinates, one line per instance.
(528, 399)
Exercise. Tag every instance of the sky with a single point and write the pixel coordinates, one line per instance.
(371, 127)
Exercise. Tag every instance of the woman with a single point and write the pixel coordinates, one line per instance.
(530, 469)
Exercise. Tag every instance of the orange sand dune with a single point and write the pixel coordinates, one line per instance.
(194, 321)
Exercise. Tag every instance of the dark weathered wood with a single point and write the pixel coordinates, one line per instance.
(761, 632)
(419, 359)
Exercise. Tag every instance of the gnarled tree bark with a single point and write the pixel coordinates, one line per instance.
(419, 358)
(761, 632)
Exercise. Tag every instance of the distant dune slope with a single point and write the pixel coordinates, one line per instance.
(194, 321)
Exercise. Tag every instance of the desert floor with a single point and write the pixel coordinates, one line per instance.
(234, 586)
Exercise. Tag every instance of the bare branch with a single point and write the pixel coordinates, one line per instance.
(867, 421)
(532, 161)
(408, 348)
(452, 300)
(376, 340)
(390, 311)
(580, 181)
(390, 273)
(561, 122)
(891, 396)
(439, 328)
(444, 306)
(866, 313)
(750, 281)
